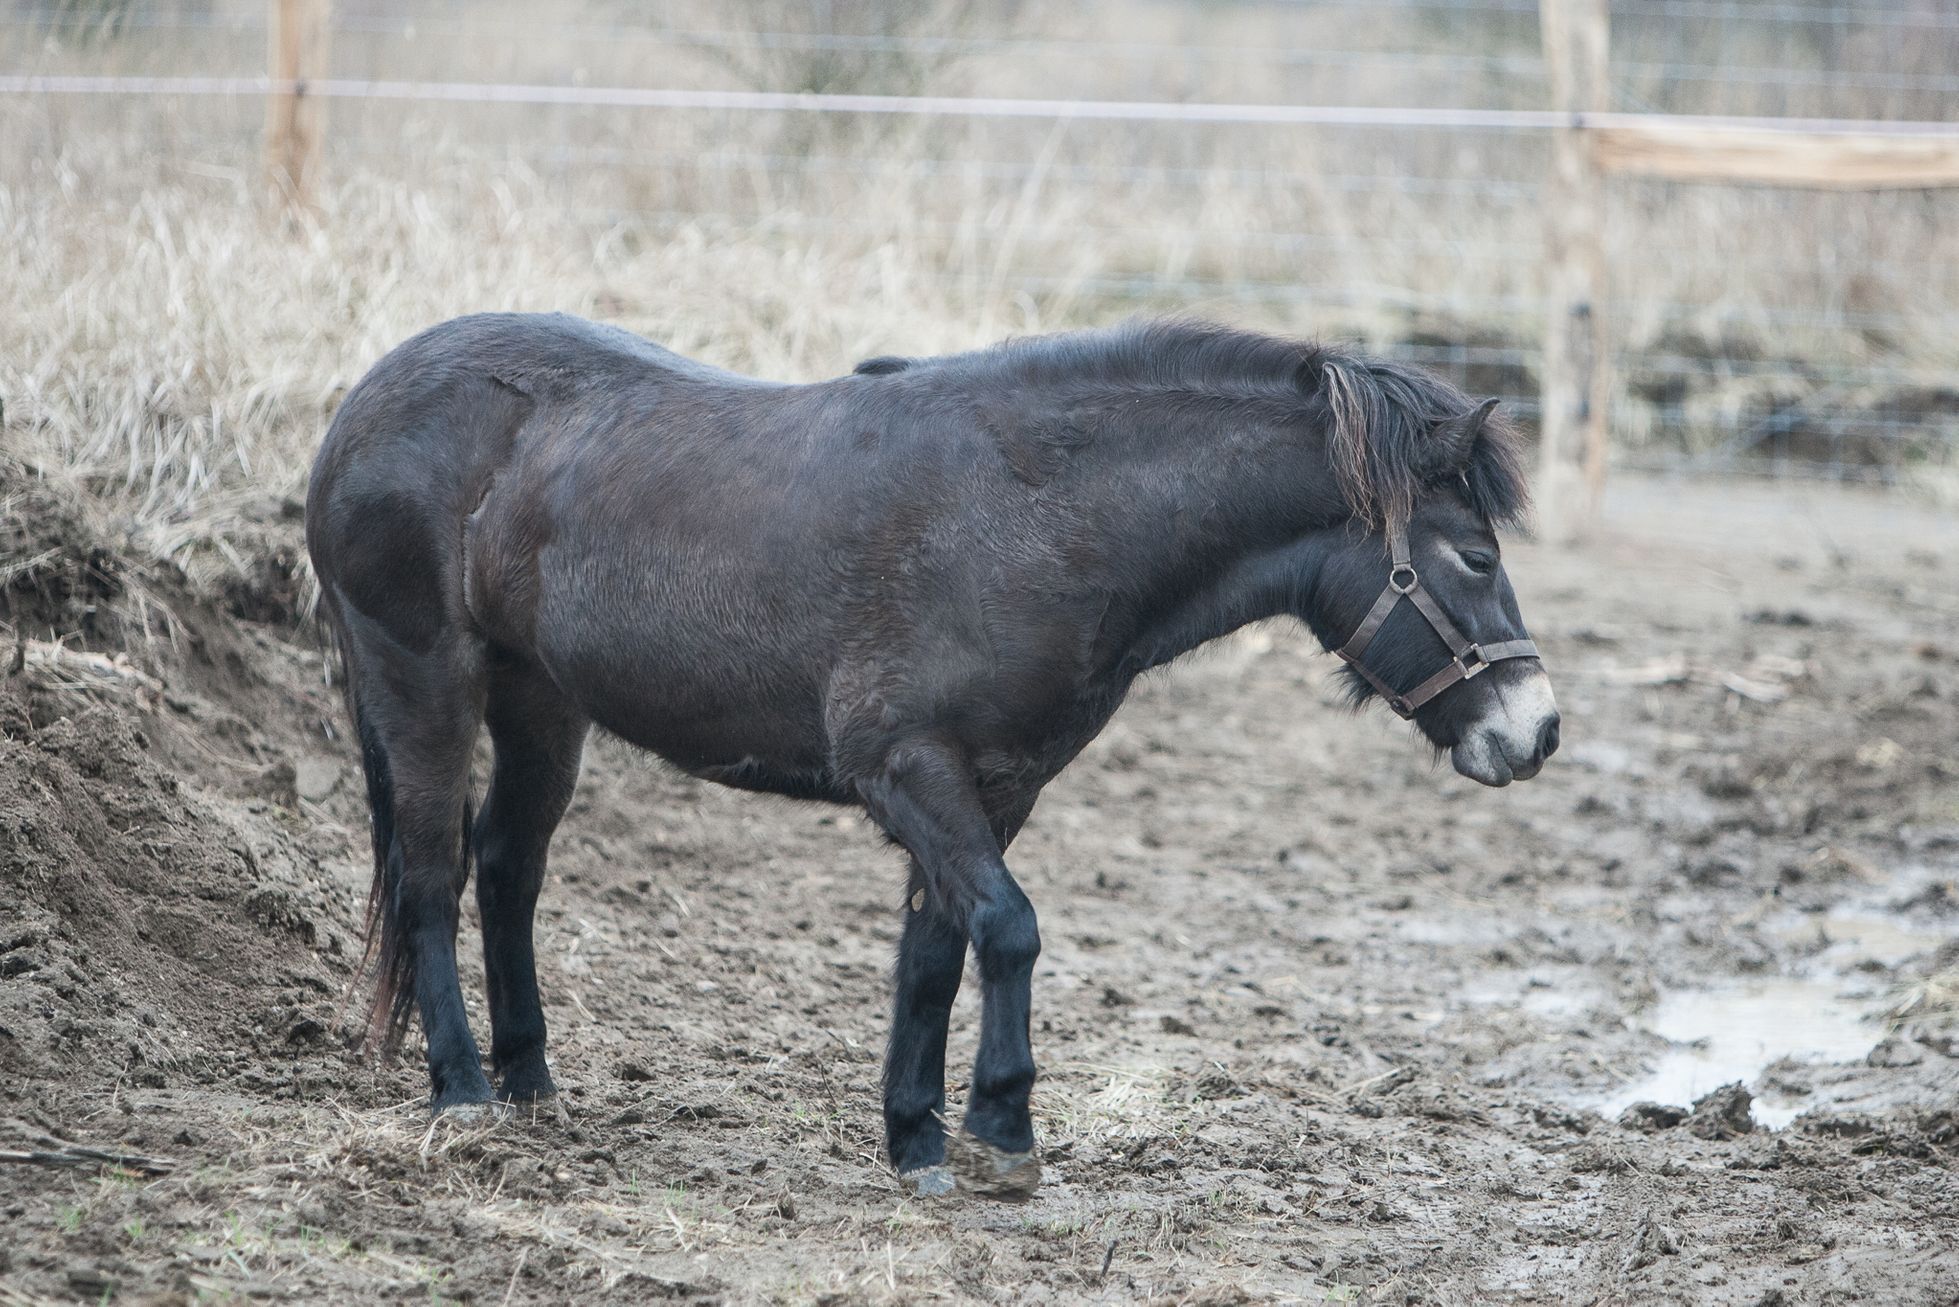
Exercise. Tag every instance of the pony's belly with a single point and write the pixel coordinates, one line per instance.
(710, 685)
(755, 746)
(770, 778)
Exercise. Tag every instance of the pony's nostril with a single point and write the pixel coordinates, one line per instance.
(1547, 738)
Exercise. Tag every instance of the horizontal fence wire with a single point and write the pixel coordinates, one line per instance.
(1170, 111)
(1937, 17)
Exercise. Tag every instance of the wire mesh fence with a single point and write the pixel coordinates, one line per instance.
(1793, 331)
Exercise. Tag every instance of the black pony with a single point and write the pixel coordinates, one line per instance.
(920, 589)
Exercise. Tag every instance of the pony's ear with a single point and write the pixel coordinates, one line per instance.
(1455, 437)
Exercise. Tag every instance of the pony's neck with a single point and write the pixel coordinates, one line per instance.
(1231, 535)
(1216, 518)
(1251, 588)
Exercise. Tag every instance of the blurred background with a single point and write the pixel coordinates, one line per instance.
(164, 335)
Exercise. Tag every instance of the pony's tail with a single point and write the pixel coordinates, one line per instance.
(384, 949)
(385, 955)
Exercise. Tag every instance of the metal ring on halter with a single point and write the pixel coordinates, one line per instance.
(1413, 579)
(1469, 669)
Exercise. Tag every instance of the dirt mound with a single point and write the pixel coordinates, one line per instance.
(153, 934)
(169, 919)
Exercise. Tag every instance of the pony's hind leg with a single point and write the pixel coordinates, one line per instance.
(419, 712)
(539, 737)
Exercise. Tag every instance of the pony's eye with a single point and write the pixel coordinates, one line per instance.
(1479, 562)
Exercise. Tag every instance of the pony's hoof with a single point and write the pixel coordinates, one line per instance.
(927, 1181)
(475, 1113)
(988, 1172)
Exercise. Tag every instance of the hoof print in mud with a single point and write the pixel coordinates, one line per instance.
(530, 1111)
(472, 1114)
(988, 1172)
(927, 1182)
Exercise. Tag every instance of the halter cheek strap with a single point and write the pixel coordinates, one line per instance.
(1466, 657)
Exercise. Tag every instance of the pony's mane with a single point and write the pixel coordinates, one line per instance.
(1381, 415)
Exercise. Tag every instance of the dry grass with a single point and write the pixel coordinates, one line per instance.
(183, 359)
(180, 353)
(1933, 1001)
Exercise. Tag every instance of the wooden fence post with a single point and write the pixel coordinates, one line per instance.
(294, 120)
(1575, 380)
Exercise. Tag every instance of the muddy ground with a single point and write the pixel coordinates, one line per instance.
(1317, 1020)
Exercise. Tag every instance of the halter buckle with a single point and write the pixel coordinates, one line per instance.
(1397, 586)
(1471, 662)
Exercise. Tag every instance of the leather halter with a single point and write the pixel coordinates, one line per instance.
(1466, 657)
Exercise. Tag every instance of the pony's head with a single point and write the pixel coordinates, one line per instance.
(1414, 594)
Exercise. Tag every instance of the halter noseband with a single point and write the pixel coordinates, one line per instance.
(1466, 657)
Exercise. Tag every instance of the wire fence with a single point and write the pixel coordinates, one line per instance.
(1370, 171)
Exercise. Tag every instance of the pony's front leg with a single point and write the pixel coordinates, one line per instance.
(926, 799)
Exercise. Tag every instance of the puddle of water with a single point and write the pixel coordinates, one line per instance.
(1721, 1036)
(1724, 1033)
(1735, 1032)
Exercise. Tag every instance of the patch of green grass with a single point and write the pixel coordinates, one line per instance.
(1055, 1227)
(437, 1279)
